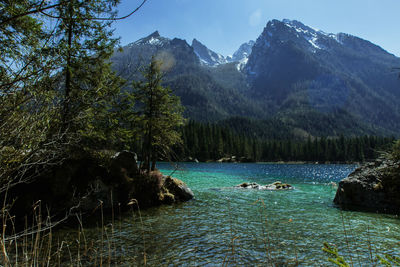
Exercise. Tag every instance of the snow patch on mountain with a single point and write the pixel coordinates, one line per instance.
(241, 56)
(207, 56)
(153, 39)
(312, 35)
(202, 61)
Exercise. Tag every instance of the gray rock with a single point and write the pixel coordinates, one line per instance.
(372, 187)
(178, 188)
(278, 186)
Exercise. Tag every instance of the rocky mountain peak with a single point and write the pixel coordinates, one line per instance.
(155, 34)
(299, 73)
(196, 42)
(241, 55)
(207, 56)
(292, 30)
(153, 39)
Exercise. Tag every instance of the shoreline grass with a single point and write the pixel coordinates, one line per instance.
(41, 246)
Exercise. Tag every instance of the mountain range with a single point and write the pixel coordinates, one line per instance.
(293, 79)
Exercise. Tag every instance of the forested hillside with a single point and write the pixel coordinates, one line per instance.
(303, 80)
(214, 142)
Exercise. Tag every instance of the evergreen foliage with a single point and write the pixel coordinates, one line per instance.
(159, 113)
(58, 93)
(27, 107)
(213, 142)
(87, 86)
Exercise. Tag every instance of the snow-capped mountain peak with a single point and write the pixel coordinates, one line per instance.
(207, 56)
(153, 39)
(241, 56)
(293, 30)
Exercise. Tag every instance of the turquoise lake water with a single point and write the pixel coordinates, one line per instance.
(228, 226)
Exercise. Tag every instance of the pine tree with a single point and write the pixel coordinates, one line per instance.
(88, 88)
(160, 114)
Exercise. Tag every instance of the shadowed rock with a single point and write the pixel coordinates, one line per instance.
(85, 184)
(372, 187)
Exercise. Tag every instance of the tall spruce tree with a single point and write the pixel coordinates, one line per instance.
(88, 87)
(160, 113)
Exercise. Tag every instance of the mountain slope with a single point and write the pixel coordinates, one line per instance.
(205, 95)
(308, 81)
(207, 56)
(296, 70)
(241, 55)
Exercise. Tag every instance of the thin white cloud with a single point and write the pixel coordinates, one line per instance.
(255, 18)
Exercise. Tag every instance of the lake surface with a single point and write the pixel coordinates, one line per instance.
(228, 226)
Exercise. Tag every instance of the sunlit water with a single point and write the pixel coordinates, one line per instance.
(224, 225)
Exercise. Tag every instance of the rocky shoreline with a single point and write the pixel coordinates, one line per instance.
(374, 186)
(86, 185)
(234, 159)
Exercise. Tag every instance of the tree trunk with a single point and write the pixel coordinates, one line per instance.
(154, 160)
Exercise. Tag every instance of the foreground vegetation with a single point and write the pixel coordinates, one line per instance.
(62, 110)
(106, 244)
(60, 99)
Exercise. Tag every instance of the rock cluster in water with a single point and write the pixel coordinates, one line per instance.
(274, 186)
(374, 186)
(234, 159)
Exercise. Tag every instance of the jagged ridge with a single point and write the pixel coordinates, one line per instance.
(313, 82)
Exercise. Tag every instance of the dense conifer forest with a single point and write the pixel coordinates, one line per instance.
(208, 141)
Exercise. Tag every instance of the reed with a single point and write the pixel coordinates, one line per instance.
(41, 245)
(376, 258)
(38, 245)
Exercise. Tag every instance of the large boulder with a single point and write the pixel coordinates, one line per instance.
(90, 182)
(372, 187)
(178, 188)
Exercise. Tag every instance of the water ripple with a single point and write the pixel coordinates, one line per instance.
(245, 227)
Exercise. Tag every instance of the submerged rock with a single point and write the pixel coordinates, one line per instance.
(372, 187)
(274, 186)
(279, 186)
(250, 186)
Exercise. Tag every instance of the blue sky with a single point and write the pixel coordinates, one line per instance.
(223, 25)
